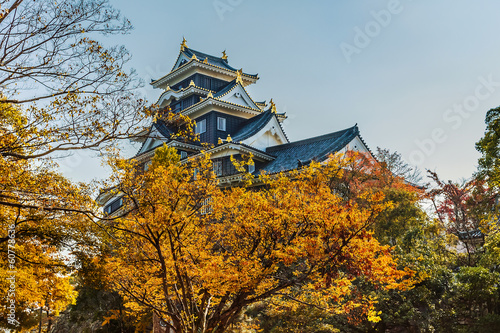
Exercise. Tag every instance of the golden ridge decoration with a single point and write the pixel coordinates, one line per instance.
(238, 75)
(184, 44)
(273, 106)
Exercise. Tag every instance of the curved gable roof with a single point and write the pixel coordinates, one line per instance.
(163, 129)
(253, 125)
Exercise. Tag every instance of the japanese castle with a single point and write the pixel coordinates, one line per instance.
(212, 93)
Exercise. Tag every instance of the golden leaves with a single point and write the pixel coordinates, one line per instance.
(295, 230)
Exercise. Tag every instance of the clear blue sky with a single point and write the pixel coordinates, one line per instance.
(417, 76)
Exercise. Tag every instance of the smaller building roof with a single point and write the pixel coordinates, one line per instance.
(473, 234)
(291, 155)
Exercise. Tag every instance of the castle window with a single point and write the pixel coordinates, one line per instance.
(206, 206)
(201, 126)
(183, 154)
(221, 124)
(113, 206)
(176, 107)
(251, 168)
(217, 165)
(147, 165)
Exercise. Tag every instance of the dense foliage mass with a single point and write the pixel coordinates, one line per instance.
(61, 91)
(196, 254)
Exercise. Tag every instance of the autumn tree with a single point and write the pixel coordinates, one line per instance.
(402, 224)
(196, 255)
(50, 56)
(40, 229)
(465, 210)
(62, 91)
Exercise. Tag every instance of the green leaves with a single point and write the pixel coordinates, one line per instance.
(489, 147)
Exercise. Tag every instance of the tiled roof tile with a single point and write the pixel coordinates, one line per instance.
(216, 61)
(253, 125)
(290, 155)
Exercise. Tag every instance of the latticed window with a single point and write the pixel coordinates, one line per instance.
(201, 126)
(221, 124)
(113, 206)
(217, 168)
(206, 206)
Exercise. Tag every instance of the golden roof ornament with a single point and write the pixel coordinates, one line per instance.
(219, 142)
(205, 61)
(194, 57)
(273, 106)
(184, 44)
(238, 75)
(224, 55)
(191, 84)
(228, 139)
(167, 88)
(210, 95)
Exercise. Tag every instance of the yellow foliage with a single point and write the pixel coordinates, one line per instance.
(196, 254)
(36, 214)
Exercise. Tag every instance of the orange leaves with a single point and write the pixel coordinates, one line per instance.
(293, 237)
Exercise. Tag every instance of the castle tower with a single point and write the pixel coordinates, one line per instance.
(212, 93)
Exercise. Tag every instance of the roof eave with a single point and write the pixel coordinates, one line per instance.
(211, 100)
(249, 78)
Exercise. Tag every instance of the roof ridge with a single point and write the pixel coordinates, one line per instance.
(344, 139)
(228, 68)
(203, 54)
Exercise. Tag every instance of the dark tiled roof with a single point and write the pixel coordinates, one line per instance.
(143, 144)
(473, 234)
(216, 61)
(226, 88)
(291, 155)
(163, 128)
(253, 125)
